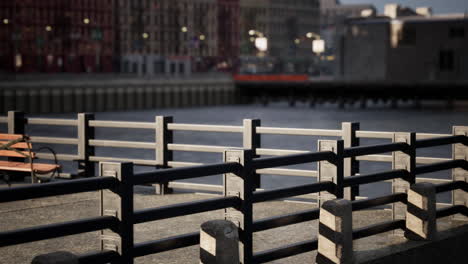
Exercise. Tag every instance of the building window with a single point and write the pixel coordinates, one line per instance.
(457, 33)
(446, 60)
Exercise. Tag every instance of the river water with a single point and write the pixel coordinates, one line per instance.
(430, 119)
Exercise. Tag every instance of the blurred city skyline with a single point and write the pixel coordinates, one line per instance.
(439, 7)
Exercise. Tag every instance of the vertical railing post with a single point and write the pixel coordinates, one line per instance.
(219, 242)
(460, 151)
(351, 165)
(403, 160)
(331, 171)
(421, 212)
(118, 202)
(252, 140)
(335, 238)
(16, 122)
(86, 168)
(241, 184)
(164, 137)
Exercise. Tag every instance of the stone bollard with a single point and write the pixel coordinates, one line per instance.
(59, 257)
(335, 238)
(421, 212)
(219, 242)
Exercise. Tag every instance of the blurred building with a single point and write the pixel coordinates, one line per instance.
(407, 45)
(56, 36)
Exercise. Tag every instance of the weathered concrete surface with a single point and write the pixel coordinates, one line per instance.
(28, 213)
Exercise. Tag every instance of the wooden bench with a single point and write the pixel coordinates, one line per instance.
(17, 150)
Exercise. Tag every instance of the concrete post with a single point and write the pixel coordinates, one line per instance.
(59, 257)
(460, 151)
(118, 203)
(351, 165)
(86, 168)
(335, 238)
(252, 140)
(241, 184)
(333, 172)
(16, 122)
(403, 161)
(164, 137)
(219, 242)
(421, 212)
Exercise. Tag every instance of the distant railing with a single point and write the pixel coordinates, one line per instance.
(118, 216)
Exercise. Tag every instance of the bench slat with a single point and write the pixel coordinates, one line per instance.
(11, 153)
(26, 167)
(10, 136)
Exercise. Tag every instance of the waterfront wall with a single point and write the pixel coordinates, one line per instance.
(114, 95)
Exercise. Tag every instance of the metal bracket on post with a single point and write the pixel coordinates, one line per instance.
(86, 168)
(241, 185)
(460, 151)
(164, 136)
(403, 161)
(118, 203)
(333, 172)
(351, 165)
(252, 141)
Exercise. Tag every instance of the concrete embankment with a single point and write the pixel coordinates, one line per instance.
(34, 212)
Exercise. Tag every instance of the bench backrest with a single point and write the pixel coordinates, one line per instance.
(22, 146)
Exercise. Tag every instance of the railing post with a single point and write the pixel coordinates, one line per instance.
(421, 212)
(219, 242)
(252, 140)
(86, 168)
(16, 122)
(241, 185)
(164, 137)
(351, 165)
(335, 238)
(403, 161)
(460, 151)
(328, 171)
(118, 202)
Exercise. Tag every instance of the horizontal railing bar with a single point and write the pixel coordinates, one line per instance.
(285, 251)
(55, 140)
(444, 204)
(105, 256)
(20, 193)
(50, 156)
(122, 144)
(52, 121)
(3, 119)
(429, 160)
(278, 152)
(432, 180)
(445, 165)
(30, 234)
(135, 161)
(378, 158)
(433, 142)
(284, 220)
(196, 186)
(263, 163)
(122, 124)
(374, 149)
(378, 228)
(375, 177)
(288, 172)
(450, 186)
(299, 131)
(182, 164)
(374, 134)
(166, 244)
(373, 202)
(274, 194)
(198, 148)
(448, 211)
(168, 175)
(430, 135)
(205, 128)
(164, 212)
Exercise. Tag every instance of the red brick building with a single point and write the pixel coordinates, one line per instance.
(56, 36)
